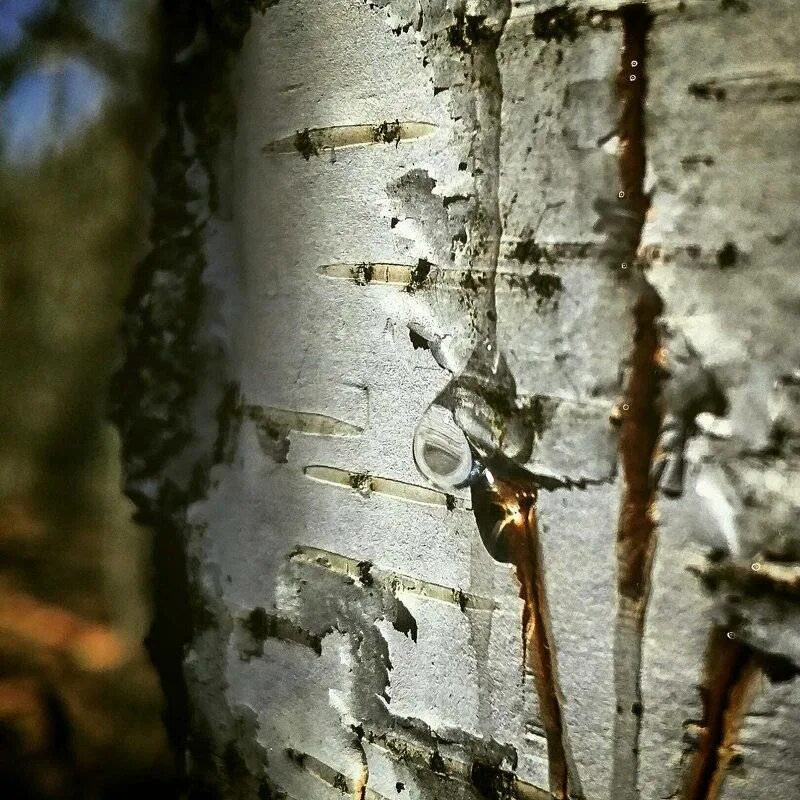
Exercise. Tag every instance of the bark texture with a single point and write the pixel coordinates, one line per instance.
(600, 201)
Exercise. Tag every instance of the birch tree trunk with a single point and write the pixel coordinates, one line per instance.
(569, 227)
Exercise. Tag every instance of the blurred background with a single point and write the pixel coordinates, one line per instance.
(80, 702)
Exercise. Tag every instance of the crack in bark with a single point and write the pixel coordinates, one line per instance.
(641, 419)
(731, 673)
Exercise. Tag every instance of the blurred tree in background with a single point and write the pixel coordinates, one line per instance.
(80, 704)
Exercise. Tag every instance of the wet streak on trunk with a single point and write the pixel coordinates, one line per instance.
(636, 542)
(632, 93)
(731, 673)
(519, 532)
(641, 415)
(484, 223)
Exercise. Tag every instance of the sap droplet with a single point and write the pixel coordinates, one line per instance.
(441, 451)
(634, 63)
(633, 78)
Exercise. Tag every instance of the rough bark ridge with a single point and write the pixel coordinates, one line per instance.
(522, 187)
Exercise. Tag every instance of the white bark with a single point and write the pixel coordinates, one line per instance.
(380, 179)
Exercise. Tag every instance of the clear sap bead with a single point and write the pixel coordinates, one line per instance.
(441, 450)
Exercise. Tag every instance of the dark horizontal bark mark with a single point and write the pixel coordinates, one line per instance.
(312, 141)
